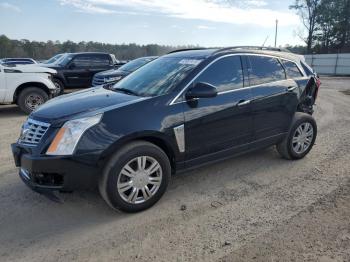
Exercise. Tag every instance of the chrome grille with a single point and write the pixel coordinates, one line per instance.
(32, 132)
(98, 80)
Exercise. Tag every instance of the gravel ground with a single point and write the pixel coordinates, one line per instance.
(255, 207)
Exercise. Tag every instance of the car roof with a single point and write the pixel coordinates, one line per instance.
(207, 52)
(89, 53)
(18, 59)
(192, 53)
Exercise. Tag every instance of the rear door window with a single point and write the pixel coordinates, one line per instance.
(225, 74)
(100, 60)
(263, 69)
(292, 69)
(92, 61)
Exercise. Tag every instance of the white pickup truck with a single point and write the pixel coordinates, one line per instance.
(27, 86)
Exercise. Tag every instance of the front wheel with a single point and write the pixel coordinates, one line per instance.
(58, 83)
(136, 177)
(31, 98)
(300, 138)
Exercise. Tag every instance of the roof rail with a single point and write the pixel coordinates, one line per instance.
(187, 49)
(278, 49)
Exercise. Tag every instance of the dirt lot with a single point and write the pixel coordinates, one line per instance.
(256, 207)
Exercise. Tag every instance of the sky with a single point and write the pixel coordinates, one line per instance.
(168, 22)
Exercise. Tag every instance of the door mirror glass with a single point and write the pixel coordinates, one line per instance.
(201, 90)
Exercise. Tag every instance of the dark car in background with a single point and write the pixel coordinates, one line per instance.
(112, 76)
(54, 59)
(17, 61)
(181, 111)
(76, 70)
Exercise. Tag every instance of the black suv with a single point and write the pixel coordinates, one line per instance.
(179, 111)
(76, 70)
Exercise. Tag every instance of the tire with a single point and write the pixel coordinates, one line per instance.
(30, 98)
(116, 187)
(58, 83)
(293, 147)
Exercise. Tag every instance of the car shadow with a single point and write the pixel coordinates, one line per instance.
(85, 210)
(10, 111)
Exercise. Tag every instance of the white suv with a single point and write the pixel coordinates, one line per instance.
(27, 86)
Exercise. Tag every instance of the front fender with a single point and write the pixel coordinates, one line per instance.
(98, 140)
(14, 81)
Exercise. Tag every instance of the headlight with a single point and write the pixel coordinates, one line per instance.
(112, 79)
(69, 135)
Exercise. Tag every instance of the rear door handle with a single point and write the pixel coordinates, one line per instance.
(243, 102)
(291, 88)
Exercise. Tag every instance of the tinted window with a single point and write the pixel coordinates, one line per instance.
(307, 69)
(82, 61)
(99, 60)
(264, 69)
(91, 61)
(225, 74)
(292, 69)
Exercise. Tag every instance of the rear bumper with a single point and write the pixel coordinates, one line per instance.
(54, 173)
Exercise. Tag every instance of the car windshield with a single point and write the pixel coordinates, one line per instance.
(54, 59)
(64, 60)
(135, 64)
(157, 77)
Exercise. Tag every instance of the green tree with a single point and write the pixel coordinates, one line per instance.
(308, 10)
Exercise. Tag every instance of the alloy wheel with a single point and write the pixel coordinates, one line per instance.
(139, 179)
(302, 138)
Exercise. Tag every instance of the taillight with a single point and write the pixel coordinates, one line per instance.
(318, 84)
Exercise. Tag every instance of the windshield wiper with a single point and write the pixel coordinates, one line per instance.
(126, 91)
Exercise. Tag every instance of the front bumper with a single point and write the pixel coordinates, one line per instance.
(54, 173)
(55, 92)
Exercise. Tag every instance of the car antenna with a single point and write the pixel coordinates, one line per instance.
(265, 41)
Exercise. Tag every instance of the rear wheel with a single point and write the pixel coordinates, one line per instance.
(300, 139)
(31, 98)
(136, 177)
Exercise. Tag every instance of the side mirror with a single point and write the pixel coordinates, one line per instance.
(201, 90)
(71, 65)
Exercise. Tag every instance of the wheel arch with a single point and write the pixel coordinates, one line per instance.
(60, 78)
(156, 138)
(21, 87)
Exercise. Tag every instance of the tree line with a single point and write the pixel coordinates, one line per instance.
(327, 25)
(45, 50)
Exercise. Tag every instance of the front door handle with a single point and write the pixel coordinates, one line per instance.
(243, 102)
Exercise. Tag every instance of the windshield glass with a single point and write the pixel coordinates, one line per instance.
(54, 59)
(158, 77)
(135, 64)
(64, 60)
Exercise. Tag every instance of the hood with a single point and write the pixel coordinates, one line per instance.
(47, 65)
(34, 69)
(94, 99)
(111, 73)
